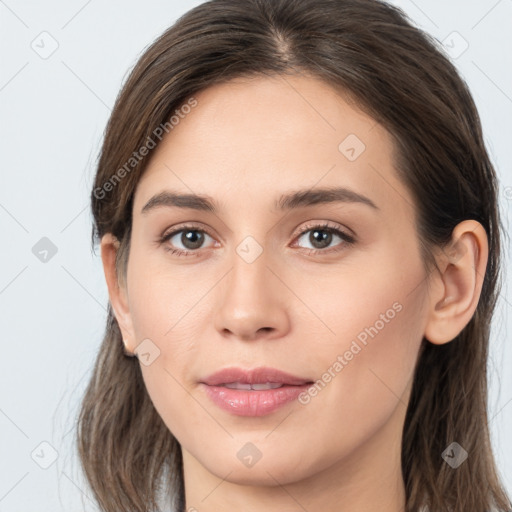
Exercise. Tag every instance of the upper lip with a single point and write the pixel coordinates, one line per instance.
(258, 375)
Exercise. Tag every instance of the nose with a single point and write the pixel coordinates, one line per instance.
(252, 301)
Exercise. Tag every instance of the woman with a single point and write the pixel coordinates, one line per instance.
(300, 235)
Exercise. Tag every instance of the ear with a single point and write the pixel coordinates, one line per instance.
(117, 290)
(455, 290)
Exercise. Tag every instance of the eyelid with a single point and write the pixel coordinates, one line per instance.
(347, 239)
(184, 227)
(164, 238)
(298, 232)
(324, 225)
(341, 231)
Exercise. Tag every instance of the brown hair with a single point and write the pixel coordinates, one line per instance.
(370, 52)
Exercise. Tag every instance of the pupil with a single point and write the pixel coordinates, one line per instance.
(193, 239)
(325, 238)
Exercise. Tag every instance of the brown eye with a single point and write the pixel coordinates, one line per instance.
(192, 239)
(185, 240)
(322, 237)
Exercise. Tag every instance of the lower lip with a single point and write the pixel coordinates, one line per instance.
(253, 403)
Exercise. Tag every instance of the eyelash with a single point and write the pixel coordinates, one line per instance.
(347, 239)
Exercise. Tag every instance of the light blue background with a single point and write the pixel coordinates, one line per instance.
(53, 112)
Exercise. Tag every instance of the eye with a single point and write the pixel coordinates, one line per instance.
(190, 237)
(322, 236)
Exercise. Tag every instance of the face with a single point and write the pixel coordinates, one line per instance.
(327, 287)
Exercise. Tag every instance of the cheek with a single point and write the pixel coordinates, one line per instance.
(168, 316)
(366, 356)
(164, 299)
(168, 319)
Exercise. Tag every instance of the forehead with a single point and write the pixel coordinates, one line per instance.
(249, 137)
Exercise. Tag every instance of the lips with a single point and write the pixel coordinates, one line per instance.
(255, 392)
(256, 376)
(254, 387)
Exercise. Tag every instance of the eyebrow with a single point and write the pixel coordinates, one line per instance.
(298, 199)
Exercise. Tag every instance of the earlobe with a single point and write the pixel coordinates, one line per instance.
(117, 290)
(458, 283)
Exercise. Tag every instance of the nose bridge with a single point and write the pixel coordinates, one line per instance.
(249, 277)
(250, 303)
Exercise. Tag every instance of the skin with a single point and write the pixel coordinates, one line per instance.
(246, 143)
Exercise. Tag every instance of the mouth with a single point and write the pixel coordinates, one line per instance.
(252, 387)
(255, 392)
(254, 379)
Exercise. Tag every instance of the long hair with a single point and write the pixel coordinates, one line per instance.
(372, 54)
